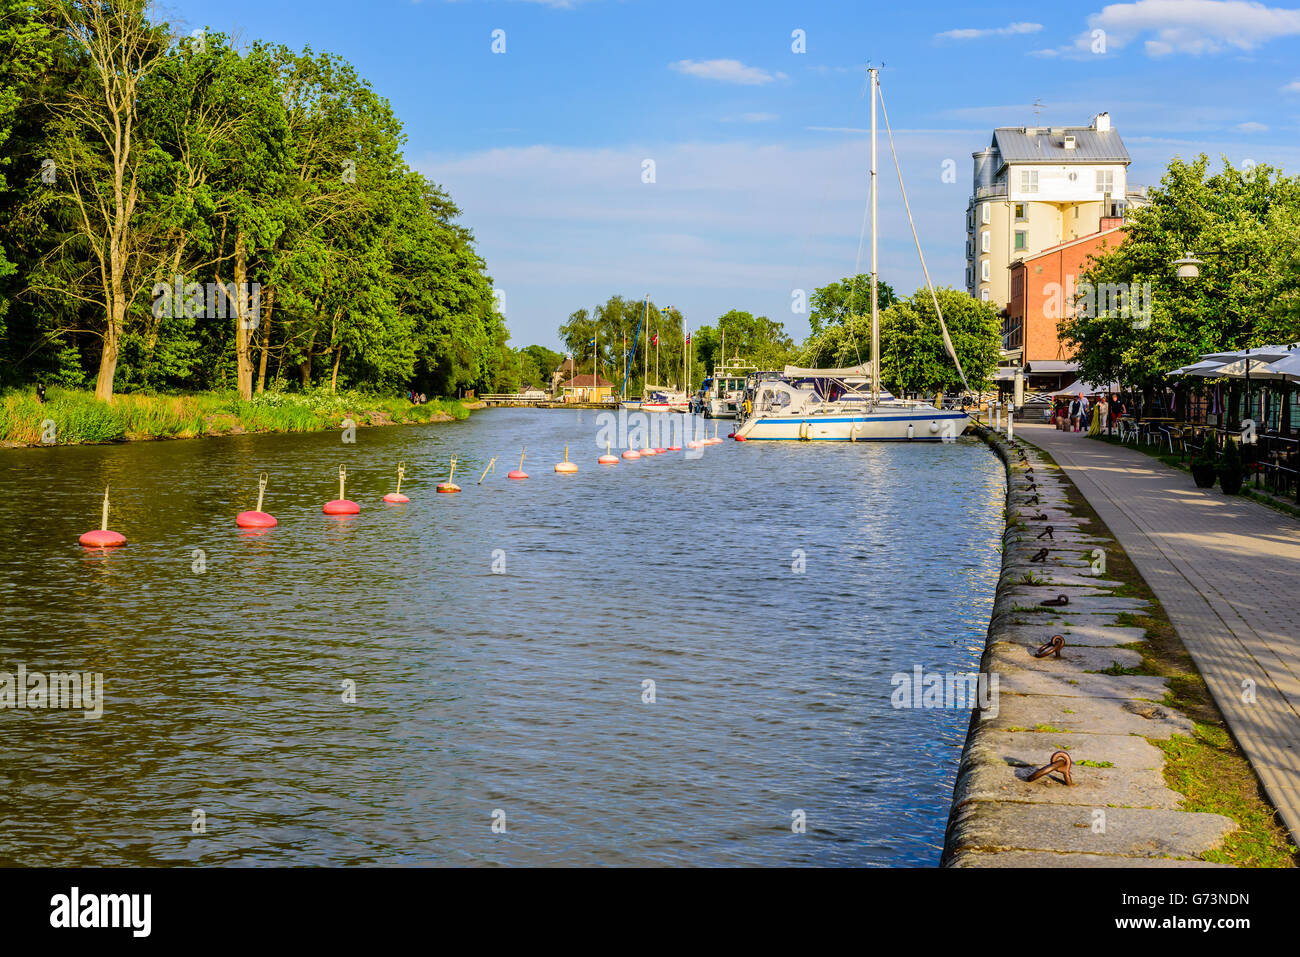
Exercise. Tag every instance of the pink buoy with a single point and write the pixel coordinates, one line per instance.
(674, 448)
(648, 451)
(660, 451)
(340, 505)
(607, 458)
(566, 467)
(395, 497)
(255, 519)
(101, 537)
(695, 444)
(631, 454)
(519, 473)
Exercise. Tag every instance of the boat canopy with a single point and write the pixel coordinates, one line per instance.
(850, 372)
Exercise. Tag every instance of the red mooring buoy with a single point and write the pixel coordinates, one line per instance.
(256, 518)
(519, 473)
(396, 497)
(340, 505)
(101, 537)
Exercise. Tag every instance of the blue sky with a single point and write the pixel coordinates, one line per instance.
(760, 162)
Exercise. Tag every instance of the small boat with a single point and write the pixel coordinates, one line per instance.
(664, 400)
(723, 391)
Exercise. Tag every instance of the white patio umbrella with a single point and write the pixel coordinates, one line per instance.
(1287, 367)
(1251, 368)
(1205, 367)
(1260, 353)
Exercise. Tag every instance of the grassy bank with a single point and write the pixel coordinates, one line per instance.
(78, 417)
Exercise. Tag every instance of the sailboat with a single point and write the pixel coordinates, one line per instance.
(654, 398)
(847, 405)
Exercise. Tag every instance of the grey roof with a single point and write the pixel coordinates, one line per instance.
(1043, 145)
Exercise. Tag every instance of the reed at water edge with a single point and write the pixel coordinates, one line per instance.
(81, 418)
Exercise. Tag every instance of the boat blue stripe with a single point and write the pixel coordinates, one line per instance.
(813, 420)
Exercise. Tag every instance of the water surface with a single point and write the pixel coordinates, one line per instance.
(479, 692)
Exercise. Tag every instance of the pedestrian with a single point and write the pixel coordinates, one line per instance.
(40, 392)
(1103, 410)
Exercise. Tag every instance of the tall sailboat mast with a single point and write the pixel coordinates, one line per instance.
(875, 305)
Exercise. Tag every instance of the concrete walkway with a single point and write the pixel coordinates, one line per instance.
(1227, 571)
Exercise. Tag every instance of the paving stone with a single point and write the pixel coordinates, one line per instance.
(1089, 715)
(1130, 832)
(1036, 859)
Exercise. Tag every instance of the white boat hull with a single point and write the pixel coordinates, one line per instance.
(721, 409)
(892, 425)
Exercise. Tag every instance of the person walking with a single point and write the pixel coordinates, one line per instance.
(1103, 409)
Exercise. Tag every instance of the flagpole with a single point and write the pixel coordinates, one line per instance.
(645, 365)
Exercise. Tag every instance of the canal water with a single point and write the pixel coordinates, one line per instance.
(500, 645)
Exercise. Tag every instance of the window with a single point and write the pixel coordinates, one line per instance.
(984, 271)
(985, 241)
(1105, 181)
(984, 293)
(1022, 212)
(1029, 181)
(986, 213)
(1022, 239)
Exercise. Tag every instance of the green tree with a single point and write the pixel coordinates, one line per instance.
(913, 356)
(1248, 295)
(836, 303)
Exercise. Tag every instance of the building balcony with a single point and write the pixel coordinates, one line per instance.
(988, 192)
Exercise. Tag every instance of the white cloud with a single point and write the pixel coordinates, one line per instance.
(1292, 87)
(726, 225)
(1011, 29)
(1192, 26)
(726, 71)
(1252, 127)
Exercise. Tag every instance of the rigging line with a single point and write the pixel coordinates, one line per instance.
(943, 326)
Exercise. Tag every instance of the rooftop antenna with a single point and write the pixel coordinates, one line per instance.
(1038, 109)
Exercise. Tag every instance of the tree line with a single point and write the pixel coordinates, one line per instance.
(187, 212)
(913, 358)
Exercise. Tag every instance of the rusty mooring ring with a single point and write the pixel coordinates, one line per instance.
(1051, 647)
(1062, 762)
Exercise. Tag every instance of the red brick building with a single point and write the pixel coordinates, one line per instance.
(1042, 292)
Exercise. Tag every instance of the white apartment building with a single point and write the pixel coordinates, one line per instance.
(1037, 187)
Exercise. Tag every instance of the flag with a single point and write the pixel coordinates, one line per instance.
(688, 338)
(654, 340)
(591, 341)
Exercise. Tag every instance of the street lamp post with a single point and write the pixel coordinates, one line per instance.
(1189, 267)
